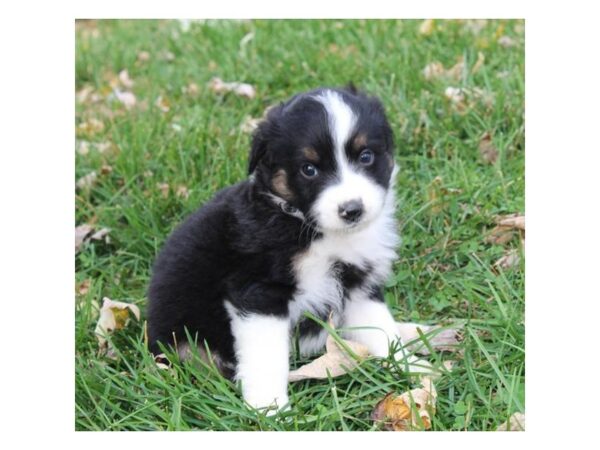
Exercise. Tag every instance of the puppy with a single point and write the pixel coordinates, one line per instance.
(311, 230)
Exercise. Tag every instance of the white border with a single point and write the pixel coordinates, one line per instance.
(562, 216)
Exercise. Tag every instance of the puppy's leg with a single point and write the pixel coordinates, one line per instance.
(261, 344)
(375, 327)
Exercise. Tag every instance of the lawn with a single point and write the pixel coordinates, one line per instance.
(156, 142)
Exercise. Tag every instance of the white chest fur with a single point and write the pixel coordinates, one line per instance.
(318, 289)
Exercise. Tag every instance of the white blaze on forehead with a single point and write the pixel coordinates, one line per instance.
(351, 184)
(342, 121)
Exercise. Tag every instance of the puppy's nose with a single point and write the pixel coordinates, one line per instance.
(351, 211)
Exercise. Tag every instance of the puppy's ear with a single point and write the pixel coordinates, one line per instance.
(351, 87)
(259, 147)
(262, 135)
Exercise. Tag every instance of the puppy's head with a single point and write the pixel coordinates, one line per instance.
(328, 153)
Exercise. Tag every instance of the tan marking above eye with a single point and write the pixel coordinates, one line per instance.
(310, 154)
(359, 142)
(280, 185)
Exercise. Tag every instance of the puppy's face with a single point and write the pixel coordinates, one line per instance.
(328, 153)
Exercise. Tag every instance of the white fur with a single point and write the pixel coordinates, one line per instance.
(371, 324)
(352, 185)
(262, 346)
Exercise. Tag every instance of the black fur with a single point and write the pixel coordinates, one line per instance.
(240, 245)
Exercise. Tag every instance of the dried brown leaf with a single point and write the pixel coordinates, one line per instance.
(164, 189)
(81, 233)
(513, 221)
(487, 149)
(219, 86)
(87, 181)
(427, 27)
(335, 362)
(163, 104)
(182, 192)
(90, 127)
(143, 56)
(408, 411)
(510, 259)
(114, 315)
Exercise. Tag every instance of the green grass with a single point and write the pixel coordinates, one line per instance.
(445, 271)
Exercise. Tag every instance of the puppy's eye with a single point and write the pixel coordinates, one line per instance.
(366, 157)
(309, 171)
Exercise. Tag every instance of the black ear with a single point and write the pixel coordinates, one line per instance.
(259, 146)
(351, 87)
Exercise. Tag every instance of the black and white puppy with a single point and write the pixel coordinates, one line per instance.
(312, 229)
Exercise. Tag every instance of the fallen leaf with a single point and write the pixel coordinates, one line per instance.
(87, 181)
(101, 235)
(164, 189)
(434, 70)
(408, 411)
(335, 362)
(143, 56)
(506, 41)
(85, 232)
(105, 169)
(182, 192)
(191, 89)
(475, 25)
(516, 422)
(162, 103)
(512, 220)
(114, 315)
(90, 127)
(219, 86)
(125, 80)
(249, 124)
(81, 232)
(487, 149)
(479, 63)
(126, 98)
(83, 287)
(508, 260)
(427, 27)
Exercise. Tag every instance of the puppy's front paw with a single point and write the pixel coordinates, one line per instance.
(267, 402)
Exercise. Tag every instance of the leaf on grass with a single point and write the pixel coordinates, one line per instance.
(411, 410)
(191, 89)
(427, 27)
(219, 86)
(126, 98)
(143, 56)
(182, 192)
(163, 104)
(85, 232)
(506, 41)
(90, 127)
(513, 221)
(507, 227)
(87, 181)
(487, 149)
(125, 80)
(164, 189)
(463, 98)
(479, 63)
(335, 362)
(114, 315)
(510, 259)
(83, 287)
(81, 232)
(436, 70)
(516, 422)
(249, 124)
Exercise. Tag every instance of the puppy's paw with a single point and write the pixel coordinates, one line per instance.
(267, 403)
